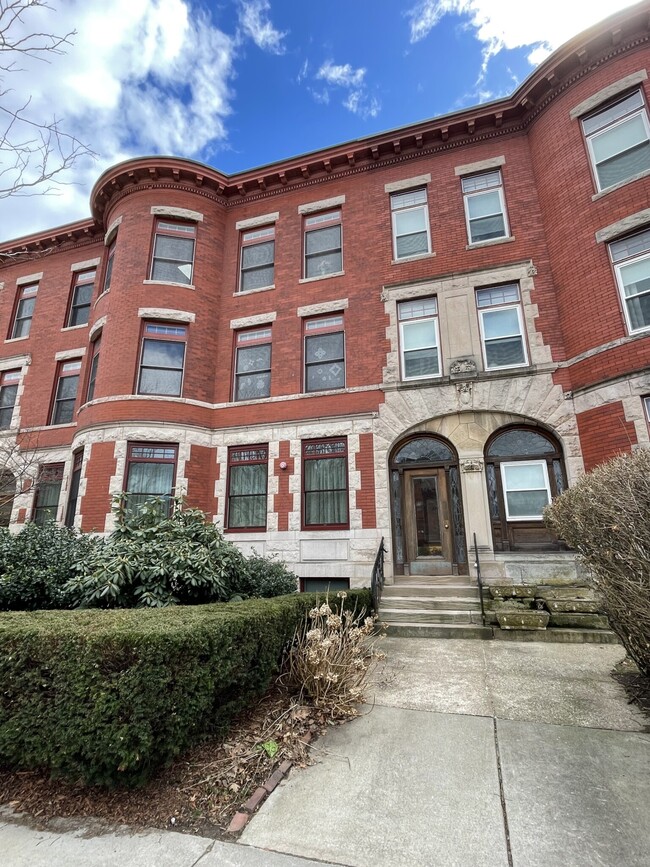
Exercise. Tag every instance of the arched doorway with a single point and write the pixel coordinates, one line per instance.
(427, 512)
(524, 471)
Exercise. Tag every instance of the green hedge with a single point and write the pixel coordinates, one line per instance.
(106, 697)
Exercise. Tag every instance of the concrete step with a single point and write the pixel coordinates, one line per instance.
(415, 615)
(434, 603)
(456, 591)
(440, 630)
(559, 635)
(434, 579)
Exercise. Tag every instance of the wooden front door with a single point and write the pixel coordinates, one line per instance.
(426, 516)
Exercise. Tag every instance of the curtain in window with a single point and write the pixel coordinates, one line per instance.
(247, 507)
(148, 481)
(47, 501)
(326, 499)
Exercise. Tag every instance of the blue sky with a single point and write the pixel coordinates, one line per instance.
(240, 83)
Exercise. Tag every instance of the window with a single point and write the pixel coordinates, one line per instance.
(631, 258)
(257, 259)
(501, 327)
(7, 494)
(48, 491)
(75, 481)
(485, 210)
(173, 252)
(8, 393)
(418, 327)
(323, 250)
(65, 397)
(325, 484)
(253, 364)
(646, 404)
(526, 490)
(82, 293)
(324, 585)
(410, 224)
(618, 138)
(24, 310)
(163, 355)
(92, 375)
(247, 475)
(150, 476)
(108, 273)
(324, 353)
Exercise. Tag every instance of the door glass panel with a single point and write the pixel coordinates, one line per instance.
(427, 518)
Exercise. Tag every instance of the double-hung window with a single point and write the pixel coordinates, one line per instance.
(631, 259)
(526, 490)
(501, 327)
(410, 217)
(323, 244)
(25, 304)
(252, 364)
(257, 270)
(646, 406)
(247, 483)
(150, 475)
(108, 273)
(324, 353)
(8, 393)
(325, 483)
(485, 211)
(82, 293)
(618, 138)
(75, 481)
(418, 331)
(48, 491)
(65, 396)
(173, 252)
(92, 374)
(162, 359)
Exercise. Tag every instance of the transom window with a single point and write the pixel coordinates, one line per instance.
(418, 325)
(25, 304)
(48, 492)
(410, 218)
(247, 485)
(253, 364)
(325, 483)
(501, 327)
(324, 353)
(65, 396)
(150, 475)
(485, 210)
(631, 258)
(618, 138)
(323, 247)
(162, 359)
(173, 252)
(257, 259)
(8, 393)
(82, 293)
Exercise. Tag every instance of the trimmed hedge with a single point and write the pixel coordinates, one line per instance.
(108, 696)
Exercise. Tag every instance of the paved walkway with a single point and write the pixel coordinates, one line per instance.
(474, 753)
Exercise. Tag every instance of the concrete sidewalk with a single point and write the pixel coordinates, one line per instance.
(474, 753)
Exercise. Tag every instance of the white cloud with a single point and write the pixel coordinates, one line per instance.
(255, 22)
(357, 99)
(342, 75)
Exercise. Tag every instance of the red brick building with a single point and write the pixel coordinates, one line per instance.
(421, 336)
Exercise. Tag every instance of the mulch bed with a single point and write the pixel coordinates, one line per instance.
(200, 792)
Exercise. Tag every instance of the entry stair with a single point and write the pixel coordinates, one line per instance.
(433, 606)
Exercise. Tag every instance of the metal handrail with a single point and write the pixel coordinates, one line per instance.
(377, 578)
(477, 564)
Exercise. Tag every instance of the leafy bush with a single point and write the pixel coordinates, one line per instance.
(606, 518)
(263, 577)
(152, 560)
(108, 696)
(37, 563)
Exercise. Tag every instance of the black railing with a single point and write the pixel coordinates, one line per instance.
(477, 563)
(377, 579)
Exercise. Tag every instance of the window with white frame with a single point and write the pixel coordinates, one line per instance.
(502, 332)
(323, 244)
(173, 252)
(526, 490)
(324, 353)
(485, 209)
(410, 216)
(618, 138)
(162, 359)
(252, 364)
(419, 341)
(8, 394)
(257, 269)
(631, 259)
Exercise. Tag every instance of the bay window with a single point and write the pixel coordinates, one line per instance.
(150, 476)
(162, 359)
(247, 485)
(325, 484)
